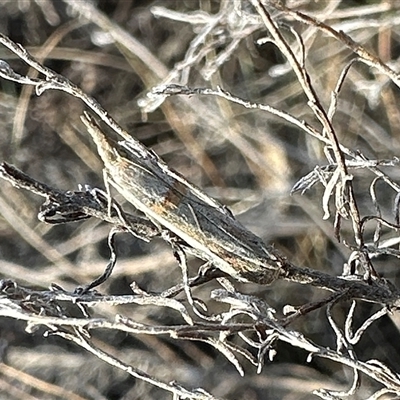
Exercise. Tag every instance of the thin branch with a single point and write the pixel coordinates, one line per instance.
(365, 56)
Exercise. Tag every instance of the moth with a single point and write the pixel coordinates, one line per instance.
(174, 204)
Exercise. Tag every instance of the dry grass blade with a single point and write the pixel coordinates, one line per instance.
(246, 99)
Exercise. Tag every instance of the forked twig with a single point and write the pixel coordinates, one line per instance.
(191, 221)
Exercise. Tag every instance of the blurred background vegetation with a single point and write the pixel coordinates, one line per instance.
(248, 159)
